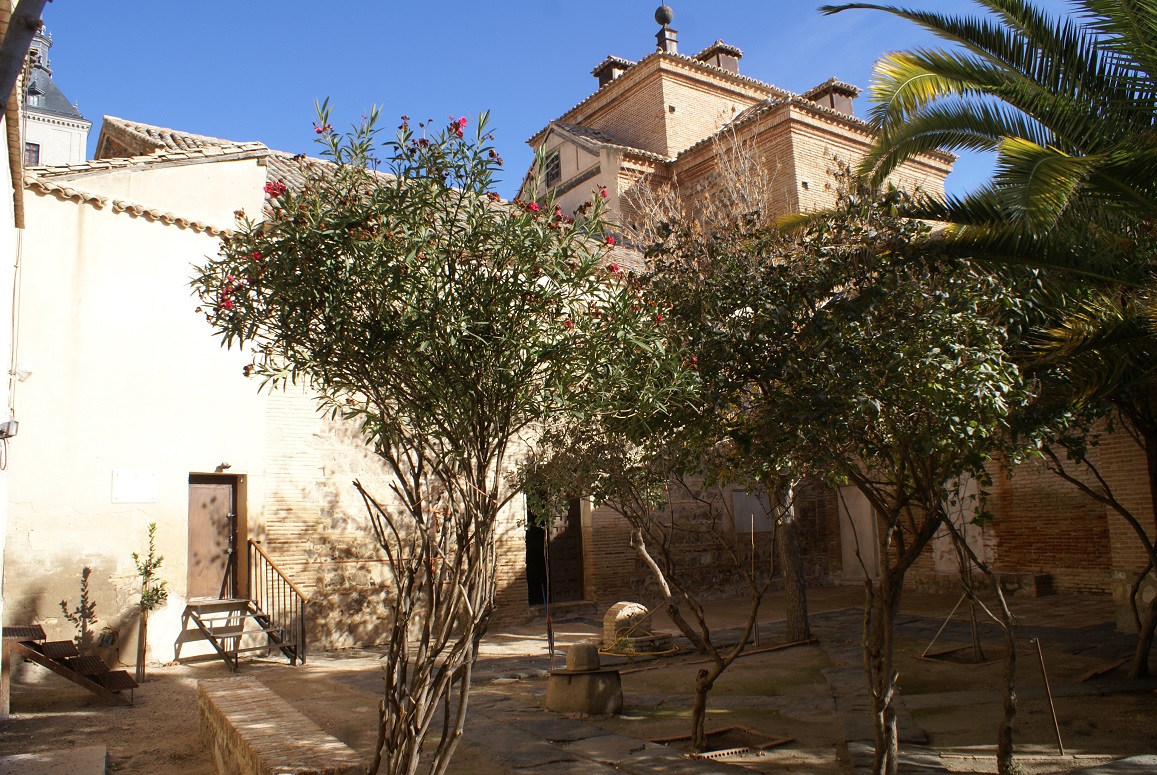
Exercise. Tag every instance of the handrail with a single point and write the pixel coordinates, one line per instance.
(269, 560)
(277, 598)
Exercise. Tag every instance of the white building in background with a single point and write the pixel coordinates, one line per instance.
(55, 133)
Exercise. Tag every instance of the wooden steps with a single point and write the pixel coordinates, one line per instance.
(63, 658)
(225, 624)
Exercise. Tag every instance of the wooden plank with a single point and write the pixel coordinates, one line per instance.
(1099, 671)
(763, 650)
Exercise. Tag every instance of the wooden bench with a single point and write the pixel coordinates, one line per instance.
(252, 731)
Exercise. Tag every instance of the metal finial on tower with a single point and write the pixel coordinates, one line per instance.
(667, 37)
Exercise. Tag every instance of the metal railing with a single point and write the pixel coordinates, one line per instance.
(277, 599)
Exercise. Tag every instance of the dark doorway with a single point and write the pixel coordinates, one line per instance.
(212, 536)
(554, 568)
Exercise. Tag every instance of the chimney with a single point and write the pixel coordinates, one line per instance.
(610, 69)
(834, 94)
(721, 55)
(667, 37)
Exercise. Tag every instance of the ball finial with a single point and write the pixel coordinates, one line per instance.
(664, 15)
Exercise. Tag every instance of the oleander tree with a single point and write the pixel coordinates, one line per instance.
(448, 325)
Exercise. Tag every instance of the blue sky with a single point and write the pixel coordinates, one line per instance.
(251, 69)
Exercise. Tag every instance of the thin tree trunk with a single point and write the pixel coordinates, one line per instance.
(880, 617)
(1004, 747)
(142, 634)
(788, 549)
(1140, 666)
(703, 683)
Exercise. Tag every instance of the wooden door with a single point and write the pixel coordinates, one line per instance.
(212, 534)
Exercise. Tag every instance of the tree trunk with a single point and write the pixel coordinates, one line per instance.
(1140, 666)
(703, 684)
(142, 634)
(880, 616)
(791, 560)
(1004, 748)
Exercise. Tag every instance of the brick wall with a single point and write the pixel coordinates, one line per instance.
(1042, 525)
(701, 555)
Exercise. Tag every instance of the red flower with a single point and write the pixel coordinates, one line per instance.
(275, 188)
(462, 122)
(611, 241)
(603, 192)
(227, 304)
(533, 207)
(323, 130)
(658, 318)
(615, 269)
(568, 324)
(458, 132)
(255, 255)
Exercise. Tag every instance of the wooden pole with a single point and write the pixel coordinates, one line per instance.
(1049, 692)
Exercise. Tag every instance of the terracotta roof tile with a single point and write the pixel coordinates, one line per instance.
(612, 60)
(681, 58)
(148, 137)
(156, 157)
(602, 138)
(832, 83)
(719, 45)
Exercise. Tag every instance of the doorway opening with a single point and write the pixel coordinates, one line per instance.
(554, 558)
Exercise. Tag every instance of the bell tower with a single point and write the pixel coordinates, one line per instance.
(55, 132)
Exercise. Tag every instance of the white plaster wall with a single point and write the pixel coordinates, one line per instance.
(208, 192)
(8, 246)
(61, 142)
(125, 376)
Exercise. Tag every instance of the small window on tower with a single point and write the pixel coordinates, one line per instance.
(553, 169)
(31, 154)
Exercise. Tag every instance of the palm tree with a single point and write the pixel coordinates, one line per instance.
(1069, 106)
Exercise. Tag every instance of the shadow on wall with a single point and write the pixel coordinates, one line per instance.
(90, 592)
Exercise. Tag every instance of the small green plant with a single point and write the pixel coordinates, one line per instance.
(153, 595)
(153, 592)
(83, 617)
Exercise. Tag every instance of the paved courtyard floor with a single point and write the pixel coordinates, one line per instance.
(814, 694)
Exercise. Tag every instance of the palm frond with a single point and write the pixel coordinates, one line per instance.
(1038, 182)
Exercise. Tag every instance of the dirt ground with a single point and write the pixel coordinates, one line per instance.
(949, 706)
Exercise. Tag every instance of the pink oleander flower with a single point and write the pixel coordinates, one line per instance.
(275, 188)
(568, 324)
(227, 304)
(615, 269)
(603, 192)
(533, 207)
(611, 241)
(255, 255)
(323, 130)
(658, 318)
(462, 122)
